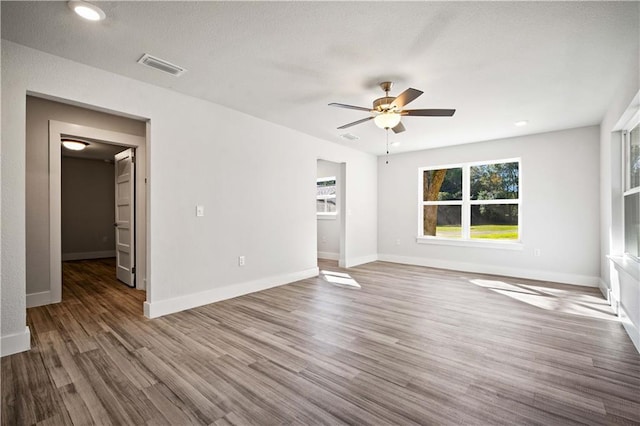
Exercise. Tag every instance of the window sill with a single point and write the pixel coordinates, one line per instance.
(500, 245)
(327, 216)
(627, 265)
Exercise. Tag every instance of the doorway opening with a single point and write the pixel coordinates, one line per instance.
(97, 206)
(330, 211)
(125, 174)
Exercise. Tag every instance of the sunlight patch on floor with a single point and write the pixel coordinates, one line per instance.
(552, 299)
(339, 278)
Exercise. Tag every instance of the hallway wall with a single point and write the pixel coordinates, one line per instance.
(88, 206)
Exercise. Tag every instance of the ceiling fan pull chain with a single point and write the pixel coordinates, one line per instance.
(387, 161)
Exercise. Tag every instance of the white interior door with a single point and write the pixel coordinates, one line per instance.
(125, 214)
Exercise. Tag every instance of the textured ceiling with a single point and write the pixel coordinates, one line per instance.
(554, 64)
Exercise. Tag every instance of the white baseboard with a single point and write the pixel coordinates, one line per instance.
(355, 261)
(632, 330)
(557, 277)
(39, 299)
(328, 255)
(604, 289)
(177, 304)
(88, 255)
(15, 343)
(614, 302)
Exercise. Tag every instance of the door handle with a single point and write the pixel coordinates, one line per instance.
(115, 224)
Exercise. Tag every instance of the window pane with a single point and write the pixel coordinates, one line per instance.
(633, 163)
(326, 195)
(443, 221)
(443, 184)
(494, 221)
(632, 224)
(495, 181)
(331, 205)
(326, 186)
(326, 205)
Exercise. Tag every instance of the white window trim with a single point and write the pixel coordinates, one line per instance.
(476, 242)
(626, 133)
(635, 121)
(466, 203)
(327, 216)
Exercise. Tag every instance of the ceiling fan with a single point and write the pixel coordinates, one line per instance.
(387, 111)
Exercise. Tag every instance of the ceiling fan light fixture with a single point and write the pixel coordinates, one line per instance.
(86, 10)
(74, 145)
(387, 111)
(387, 120)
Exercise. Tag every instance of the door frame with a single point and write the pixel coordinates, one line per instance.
(58, 129)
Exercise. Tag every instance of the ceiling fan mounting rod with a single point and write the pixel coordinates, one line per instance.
(384, 104)
(386, 87)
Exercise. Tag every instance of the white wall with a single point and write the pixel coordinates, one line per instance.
(559, 208)
(329, 226)
(88, 209)
(196, 155)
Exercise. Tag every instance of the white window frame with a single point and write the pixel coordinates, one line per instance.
(626, 176)
(466, 202)
(326, 214)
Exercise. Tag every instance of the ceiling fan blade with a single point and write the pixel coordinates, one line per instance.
(399, 128)
(355, 122)
(350, 107)
(405, 97)
(429, 112)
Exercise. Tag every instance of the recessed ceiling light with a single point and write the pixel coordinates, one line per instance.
(521, 123)
(396, 143)
(74, 145)
(87, 10)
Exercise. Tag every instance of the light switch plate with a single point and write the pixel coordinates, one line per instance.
(199, 211)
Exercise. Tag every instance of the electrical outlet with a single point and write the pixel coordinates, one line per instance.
(398, 241)
(537, 252)
(241, 260)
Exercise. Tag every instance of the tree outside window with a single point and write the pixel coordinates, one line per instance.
(471, 201)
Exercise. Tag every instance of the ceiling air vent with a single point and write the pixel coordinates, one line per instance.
(349, 137)
(161, 64)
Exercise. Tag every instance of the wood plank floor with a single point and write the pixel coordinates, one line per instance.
(413, 346)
